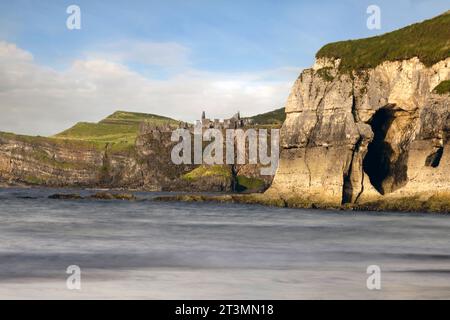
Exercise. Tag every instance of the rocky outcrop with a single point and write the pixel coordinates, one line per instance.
(44, 161)
(95, 196)
(144, 165)
(51, 162)
(365, 135)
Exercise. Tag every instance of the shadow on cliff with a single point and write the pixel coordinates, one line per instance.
(386, 159)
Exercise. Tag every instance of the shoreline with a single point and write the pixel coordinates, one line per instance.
(436, 203)
(423, 202)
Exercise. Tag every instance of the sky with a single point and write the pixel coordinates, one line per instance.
(173, 57)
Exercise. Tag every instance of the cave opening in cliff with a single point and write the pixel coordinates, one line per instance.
(434, 159)
(387, 155)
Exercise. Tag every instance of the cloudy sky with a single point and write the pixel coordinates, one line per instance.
(174, 58)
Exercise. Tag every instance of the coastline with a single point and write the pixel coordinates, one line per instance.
(431, 203)
(428, 202)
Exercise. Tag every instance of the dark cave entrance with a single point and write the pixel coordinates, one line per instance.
(434, 159)
(386, 161)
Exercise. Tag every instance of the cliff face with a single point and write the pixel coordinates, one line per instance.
(359, 136)
(144, 165)
(51, 162)
(42, 161)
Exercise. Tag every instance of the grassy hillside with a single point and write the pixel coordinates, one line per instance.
(428, 40)
(121, 128)
(275, 117)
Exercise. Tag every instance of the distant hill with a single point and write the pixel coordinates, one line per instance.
(272, 118)
(120, 127)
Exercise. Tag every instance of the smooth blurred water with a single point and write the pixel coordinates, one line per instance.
(147, 249)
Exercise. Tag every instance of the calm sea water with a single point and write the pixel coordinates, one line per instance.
(153, 250)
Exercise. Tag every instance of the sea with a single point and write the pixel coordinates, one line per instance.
(146, 249)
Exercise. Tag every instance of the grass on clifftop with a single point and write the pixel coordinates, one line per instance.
(64, 143)
(428, 40)
(119, 128)
(443, 87)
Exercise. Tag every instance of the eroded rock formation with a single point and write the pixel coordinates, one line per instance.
(353, 137)
(144, 165)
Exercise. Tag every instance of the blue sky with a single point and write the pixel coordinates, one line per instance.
(248, 45)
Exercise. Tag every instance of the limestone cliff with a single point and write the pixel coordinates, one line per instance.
(144, 164)
(52, 162)
(351, 137)
(44, 161)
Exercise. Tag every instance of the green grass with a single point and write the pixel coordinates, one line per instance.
(43, 158)
(208, 171)
(63, 143)
(118, 131)
(33, 180)
(324, 73)
(120, 128)
(428, 40)
(248, 183)
(443, 87)
(275, 117)
(100, 132)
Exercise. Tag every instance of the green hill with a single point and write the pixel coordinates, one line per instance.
(428, 40)
(272, 118)
(121, 127)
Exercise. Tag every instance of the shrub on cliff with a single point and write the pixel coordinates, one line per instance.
(443, 87)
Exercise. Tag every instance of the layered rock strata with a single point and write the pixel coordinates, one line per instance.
(360, 136)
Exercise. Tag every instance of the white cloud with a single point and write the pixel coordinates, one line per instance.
(163, 54)
(35, 99)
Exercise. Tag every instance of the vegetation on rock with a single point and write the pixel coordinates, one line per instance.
(435, 203)
(113, 196)
(96, 196)
(439, 202)
(249, 184)
(208, 171)
(443, 87)
(324, 73)
(428, 40)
